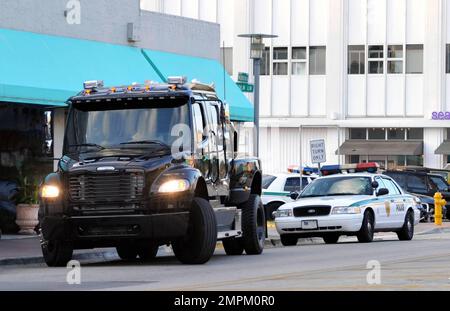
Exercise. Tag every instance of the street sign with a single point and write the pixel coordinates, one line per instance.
(245, 87)
(243, 77)
(318, 154)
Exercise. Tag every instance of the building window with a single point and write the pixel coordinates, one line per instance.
(414, 160)
(353, 159)
(299, 60)
(356, 59)
(377, 134)
(376, 57)
(280, 61)
(414, 58)
(265, 62)
(395, 59)
(358, 133)
(317, 60)
(398, 134)
(414, 133)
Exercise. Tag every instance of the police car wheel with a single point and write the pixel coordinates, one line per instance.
(288, 240)
(57, 253)
(233, 246)
(253, 225)
(366, 232)
(331, 238)
(127, 251)
(406, 233)
(147, 250)
(200, 242)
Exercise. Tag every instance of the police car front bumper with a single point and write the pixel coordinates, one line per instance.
(345, 223)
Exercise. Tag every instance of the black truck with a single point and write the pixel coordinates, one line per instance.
(147, 165)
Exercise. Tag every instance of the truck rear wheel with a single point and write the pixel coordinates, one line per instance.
(200, 242)
(233, 246)
(57, 253)
(253, 225)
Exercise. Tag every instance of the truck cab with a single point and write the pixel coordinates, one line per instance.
(150, 164)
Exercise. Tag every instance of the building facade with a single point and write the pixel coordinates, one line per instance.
(371, 77)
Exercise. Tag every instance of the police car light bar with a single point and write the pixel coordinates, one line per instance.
(93, 84)
(178, 80)
(306, 170)
(370, 167)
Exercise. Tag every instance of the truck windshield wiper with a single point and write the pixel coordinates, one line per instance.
(146, 142)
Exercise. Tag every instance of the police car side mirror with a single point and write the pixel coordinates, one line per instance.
(382, 191)
(294, 195)
(375, 184)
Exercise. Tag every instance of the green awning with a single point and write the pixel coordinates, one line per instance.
(207, 71)
(47, 70)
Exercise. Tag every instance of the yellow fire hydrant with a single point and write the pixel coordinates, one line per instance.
(439, 202)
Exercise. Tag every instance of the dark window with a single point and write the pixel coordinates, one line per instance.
(399, 178)
(395, 59)
(317, 60)
(356, 59)
(265, 62)
(280, 69)
(414, 133)
(199, 123)
(267, 180)
(280, 53)
(375, 59)
(377, 134)
(417, 184)
(447, 59)
(414, 160)
(299, 53)
(280, 64)
(439, 183)
(353, 159)
(358, 133)
(398, 134)
(293, 183)
(299, 60)
(414, 58)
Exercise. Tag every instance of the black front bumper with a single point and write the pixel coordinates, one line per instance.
(96, 228)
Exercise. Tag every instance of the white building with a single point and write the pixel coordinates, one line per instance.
(366, 75)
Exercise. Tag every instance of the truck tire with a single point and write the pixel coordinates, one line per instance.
(365, 234)
(406, 233)
(288, 240)
(57, 253)
(331, 238)
(200, 242)
(253, 225)
(127, 251)
(233, 246)
(147, 250)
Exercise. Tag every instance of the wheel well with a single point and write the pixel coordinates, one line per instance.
(256, 184)
(275, 202)
(201, 190)
(370, 210)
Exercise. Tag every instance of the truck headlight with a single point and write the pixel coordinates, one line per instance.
(175, 185)
(346, 210)
(49, 192)
(283, 213)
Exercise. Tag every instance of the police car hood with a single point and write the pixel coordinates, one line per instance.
(339, 200)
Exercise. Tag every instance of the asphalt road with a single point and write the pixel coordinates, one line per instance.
(421, 264)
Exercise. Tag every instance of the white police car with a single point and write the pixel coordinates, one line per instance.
(358, 204)
(277, 189)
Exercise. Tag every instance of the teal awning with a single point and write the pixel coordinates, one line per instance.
(47, 70)
(207, 71)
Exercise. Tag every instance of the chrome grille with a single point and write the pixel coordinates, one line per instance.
(313, 210)
(113, 187)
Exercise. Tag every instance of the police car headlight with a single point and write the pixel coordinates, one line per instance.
(283, 213)
(346, 210)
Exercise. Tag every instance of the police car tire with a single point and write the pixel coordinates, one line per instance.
(57, 253)
(331, 238)
(233, 246)
(365, 234)
(147, 250)
(288, 240)
(253, 225)
(406, 233)
(127, 251)
(199, 244)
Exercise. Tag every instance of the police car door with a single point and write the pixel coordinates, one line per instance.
(383, 207)
(397, 204)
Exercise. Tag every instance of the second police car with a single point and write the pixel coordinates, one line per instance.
(349, 200)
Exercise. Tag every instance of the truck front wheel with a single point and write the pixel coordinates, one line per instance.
(57, 253)
(200, 242)
(253, 225)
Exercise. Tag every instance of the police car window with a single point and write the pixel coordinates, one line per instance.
(417, 183)
(267, 180)
(391, 186)
(339, 186)
(439, 183)
(293, 184)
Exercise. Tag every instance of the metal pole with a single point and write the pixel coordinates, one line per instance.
(256, 73)
(300, 166)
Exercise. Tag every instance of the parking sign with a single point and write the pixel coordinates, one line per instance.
(318, 154)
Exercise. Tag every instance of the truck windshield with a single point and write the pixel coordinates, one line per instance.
(339, 186)
(99, 126)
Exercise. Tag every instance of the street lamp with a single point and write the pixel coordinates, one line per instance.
(256, 53)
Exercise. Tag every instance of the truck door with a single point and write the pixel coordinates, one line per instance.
(201, 142)
(213, 139)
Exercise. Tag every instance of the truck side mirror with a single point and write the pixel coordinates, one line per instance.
(382, 191)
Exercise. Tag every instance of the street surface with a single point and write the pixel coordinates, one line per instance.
(421, 264)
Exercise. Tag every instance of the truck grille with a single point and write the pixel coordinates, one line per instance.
(104, 188)
(310, 211)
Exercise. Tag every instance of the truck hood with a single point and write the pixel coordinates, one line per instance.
(340, 200)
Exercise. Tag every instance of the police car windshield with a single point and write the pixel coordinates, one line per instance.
(348, 185)
(98, 126)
